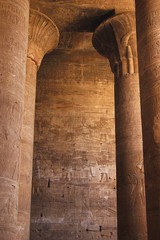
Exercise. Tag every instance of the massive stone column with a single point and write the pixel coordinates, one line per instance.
(13, 48)
(148, 36)
(116, 40)
(43, 38)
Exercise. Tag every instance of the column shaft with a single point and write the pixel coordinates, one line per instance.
(129, 158)
(148, 35)
(13, 47)
(116, 40)
(27, 151)
(43, 38)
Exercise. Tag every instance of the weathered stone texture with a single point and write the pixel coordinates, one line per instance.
(74, 191)
(148, 18)
(13, 47)
(80, 15)
(116, 39)
(27, 152)
(43, 38)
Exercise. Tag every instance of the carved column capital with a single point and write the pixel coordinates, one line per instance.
(116, 39)
(43, 36)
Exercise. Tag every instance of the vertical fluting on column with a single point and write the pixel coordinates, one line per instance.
(43, 38)
(13, 48)
(148, 36)
(116, 40)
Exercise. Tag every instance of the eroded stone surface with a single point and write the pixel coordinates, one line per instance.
(74, 192)
(80, 15)
(148, 12)
(13, 46)
(116, 40)
(43, 38)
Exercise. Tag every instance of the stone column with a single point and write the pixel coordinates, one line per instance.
(148, 36)
(43, 38)
(116, 40)
(13, 48)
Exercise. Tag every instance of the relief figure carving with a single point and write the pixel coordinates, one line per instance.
(138, 188)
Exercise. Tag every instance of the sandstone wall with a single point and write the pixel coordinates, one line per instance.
(74, 188)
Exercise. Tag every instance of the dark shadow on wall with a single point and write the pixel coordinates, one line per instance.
(71, 17)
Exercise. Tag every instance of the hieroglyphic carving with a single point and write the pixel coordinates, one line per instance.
(43, 38)
(13, 44)
(15, 14)
(74, 137)
(115, 39)
(148, 39)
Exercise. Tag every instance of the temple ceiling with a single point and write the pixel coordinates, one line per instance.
(81, 15)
